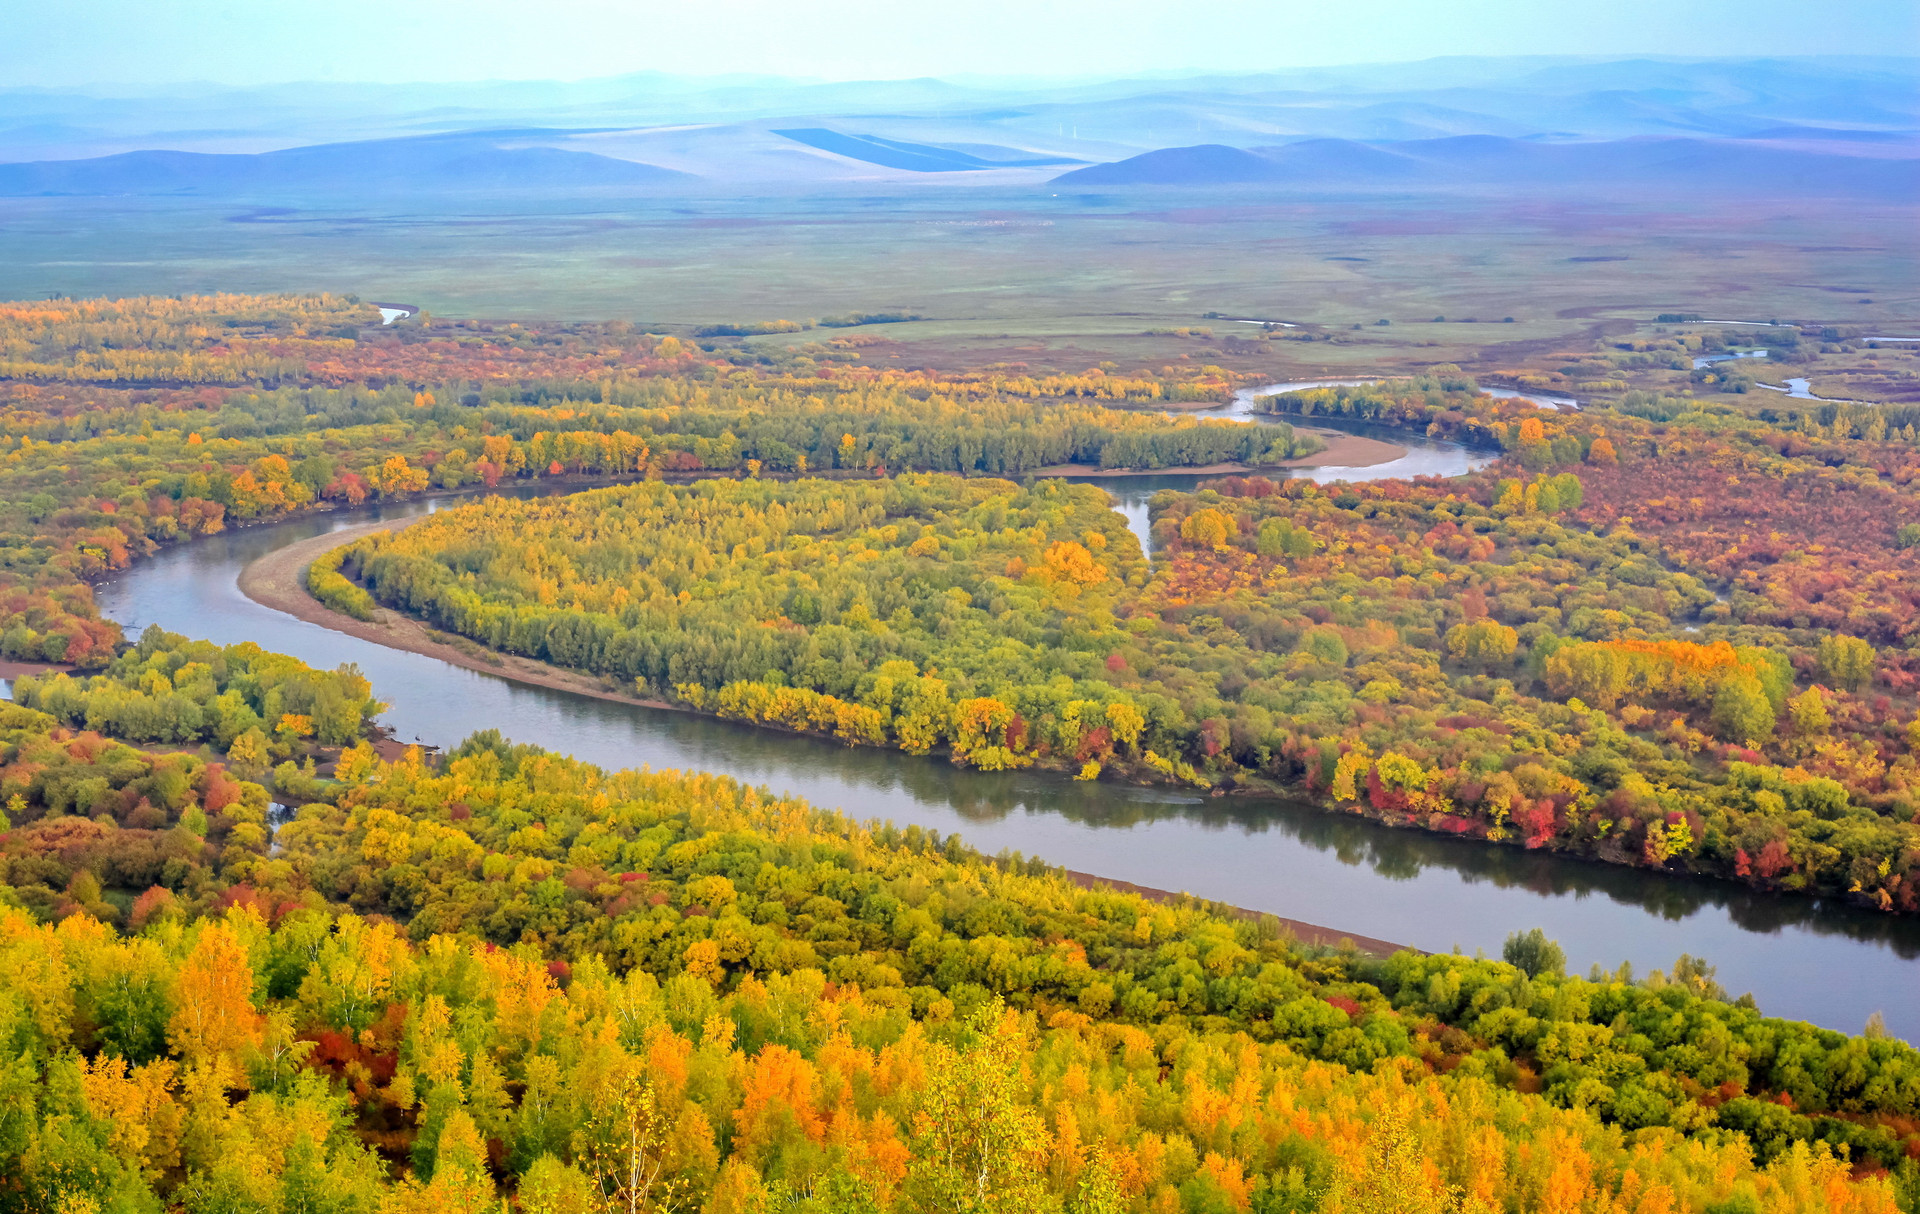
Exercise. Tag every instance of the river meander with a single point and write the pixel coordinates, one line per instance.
(1821, 961)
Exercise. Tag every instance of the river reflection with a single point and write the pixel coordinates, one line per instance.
(1831, 964)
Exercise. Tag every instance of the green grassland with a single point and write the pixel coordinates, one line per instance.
(1024, 276)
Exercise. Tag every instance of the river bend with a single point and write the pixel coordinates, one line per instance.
(1829, 963)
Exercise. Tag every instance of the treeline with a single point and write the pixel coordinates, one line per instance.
(515, 975)
(240, 698)
(1449, 404)
(325, 582)
(184, 349)
(197, 339)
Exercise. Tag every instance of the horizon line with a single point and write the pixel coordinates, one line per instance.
(969, 80)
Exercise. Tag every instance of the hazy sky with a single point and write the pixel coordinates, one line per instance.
(94, 42)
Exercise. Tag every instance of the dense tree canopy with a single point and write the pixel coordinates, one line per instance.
(517, 973)
(255, 415)
(1466, 657)
(247, 964)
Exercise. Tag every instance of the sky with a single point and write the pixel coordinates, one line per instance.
(93, 43)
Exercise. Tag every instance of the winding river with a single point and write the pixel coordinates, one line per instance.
(1423, 457)
(1829, 963)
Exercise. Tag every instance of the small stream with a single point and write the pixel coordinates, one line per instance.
(1802, 389)
(1708, 360)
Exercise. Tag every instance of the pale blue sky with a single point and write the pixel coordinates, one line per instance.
(94, 42)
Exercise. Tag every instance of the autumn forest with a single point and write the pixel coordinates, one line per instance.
(257, 954)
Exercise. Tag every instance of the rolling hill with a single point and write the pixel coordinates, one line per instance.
(1096, 119)
(917, 157)
(1484, 160)
(429, 164)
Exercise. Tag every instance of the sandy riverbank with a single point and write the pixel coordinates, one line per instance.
(13, 668)
(277, 580)
(1342, 450)
(1307, 933)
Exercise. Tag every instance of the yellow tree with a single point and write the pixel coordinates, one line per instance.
(1127, 723)
(213, 1016)
(396, 477)
(138, 1106)
(1393, 1175)
(1483, 643)
(1209, 527)
(461, 1183)
(1071, 564)
(624, 1148)
(979, 1145)
(354, 973)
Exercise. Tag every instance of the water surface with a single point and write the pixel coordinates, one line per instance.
(1708, 360)
(1424, 457)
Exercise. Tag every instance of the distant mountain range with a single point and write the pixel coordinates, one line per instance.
(528, 161)
(1488, 160)
(1086, 120)
(918, 157)
(433, 164)
(1794, 126)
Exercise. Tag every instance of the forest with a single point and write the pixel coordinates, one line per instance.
(253, 958)
(92, 478)
(1493, 657)
(512, 973)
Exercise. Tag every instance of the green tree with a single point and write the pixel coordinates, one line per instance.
(1742, 712)
(1809, 713)
(1847, 661)
(1325, 644)
(1533, 954)
(1280, 537)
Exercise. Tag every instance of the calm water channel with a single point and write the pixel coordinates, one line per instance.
(1828, 963)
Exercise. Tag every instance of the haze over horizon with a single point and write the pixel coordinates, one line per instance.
(105, 43)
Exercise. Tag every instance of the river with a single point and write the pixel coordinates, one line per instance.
(1132, 494)
(1829, 963)
(1802, 389)
(1708, 360)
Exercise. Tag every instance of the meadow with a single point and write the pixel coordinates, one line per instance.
(1054, 281)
